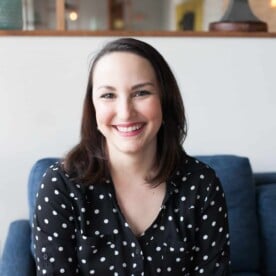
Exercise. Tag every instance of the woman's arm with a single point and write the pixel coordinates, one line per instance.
(54, 228)
(212, 238)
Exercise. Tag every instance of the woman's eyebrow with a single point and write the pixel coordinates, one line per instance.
(140, 85)
(136, 86)
(108, 87)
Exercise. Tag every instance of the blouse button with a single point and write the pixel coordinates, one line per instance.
(137, 251)
(45, 256)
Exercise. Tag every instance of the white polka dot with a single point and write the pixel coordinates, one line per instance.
(46, 199)
(56, 192)
(102, 259)
(60, 248)
(52, 260)
(62, 270)
(54, 179)
(64, 225)
(205, 237)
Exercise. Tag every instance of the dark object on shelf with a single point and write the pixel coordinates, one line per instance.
(187, 22)
(11, 14)
(240, 18)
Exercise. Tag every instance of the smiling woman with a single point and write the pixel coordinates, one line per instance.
(127, 199)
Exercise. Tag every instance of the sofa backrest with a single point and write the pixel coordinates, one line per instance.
(237, 180)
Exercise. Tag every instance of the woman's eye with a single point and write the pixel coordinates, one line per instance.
(141, 93)
(108, 96)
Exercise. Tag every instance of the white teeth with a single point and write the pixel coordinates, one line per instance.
(129, 129)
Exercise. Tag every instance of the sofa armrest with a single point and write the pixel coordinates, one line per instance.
(266, 211)
(16, 259)
(264, 178)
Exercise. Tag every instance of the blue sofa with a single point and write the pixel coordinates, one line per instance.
(251, 200)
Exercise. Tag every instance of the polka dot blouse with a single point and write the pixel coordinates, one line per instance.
(80, 230)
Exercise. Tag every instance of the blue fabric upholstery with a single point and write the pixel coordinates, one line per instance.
(237, 180)
(17, 259)
(267, 216)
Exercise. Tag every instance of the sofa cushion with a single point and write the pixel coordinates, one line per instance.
(236, 177)
(267, 217)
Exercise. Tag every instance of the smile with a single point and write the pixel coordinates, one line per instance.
(129, 128)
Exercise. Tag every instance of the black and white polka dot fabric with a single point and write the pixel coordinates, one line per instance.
(80, 230)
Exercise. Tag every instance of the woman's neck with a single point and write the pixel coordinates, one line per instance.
(131, 166)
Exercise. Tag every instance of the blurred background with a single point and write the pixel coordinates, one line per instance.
(137, 15)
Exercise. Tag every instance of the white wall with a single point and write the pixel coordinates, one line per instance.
(228, 86)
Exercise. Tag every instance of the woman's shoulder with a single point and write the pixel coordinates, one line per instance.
(190, 165)
(55, 177)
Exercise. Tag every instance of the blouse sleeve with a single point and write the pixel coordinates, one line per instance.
(213, 253)
(53, 227)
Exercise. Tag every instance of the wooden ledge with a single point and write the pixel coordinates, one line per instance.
(87, 33)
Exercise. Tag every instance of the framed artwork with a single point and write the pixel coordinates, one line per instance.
(189, 15)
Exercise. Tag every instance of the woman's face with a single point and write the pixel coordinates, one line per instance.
(126, 98)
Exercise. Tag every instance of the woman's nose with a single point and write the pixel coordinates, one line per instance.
(125, 109)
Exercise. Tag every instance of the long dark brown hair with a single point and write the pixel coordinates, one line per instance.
(87, 161)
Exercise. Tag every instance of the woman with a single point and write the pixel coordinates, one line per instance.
(127, 200)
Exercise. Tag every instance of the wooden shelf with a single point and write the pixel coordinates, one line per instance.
(137, 33)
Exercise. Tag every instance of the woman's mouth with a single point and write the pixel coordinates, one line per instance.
(130, 130)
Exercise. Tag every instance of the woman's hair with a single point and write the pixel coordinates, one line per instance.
(87, 161)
